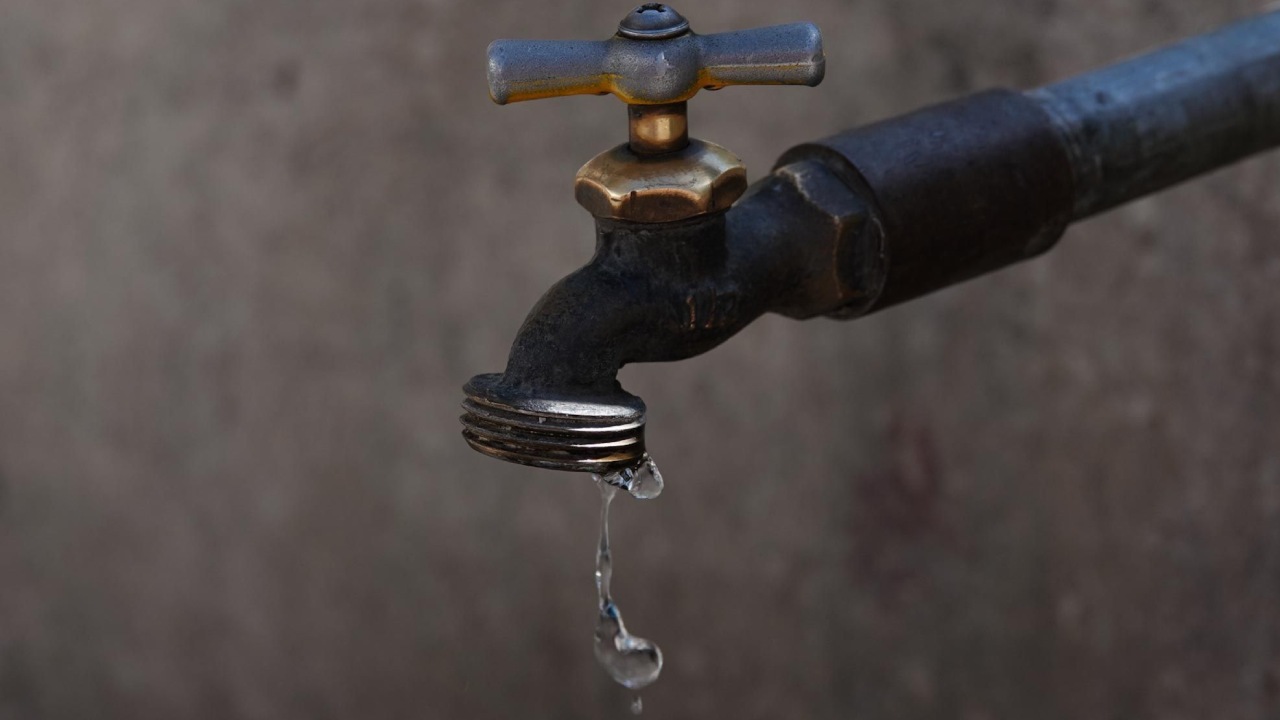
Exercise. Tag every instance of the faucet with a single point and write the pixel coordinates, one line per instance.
(687, 254)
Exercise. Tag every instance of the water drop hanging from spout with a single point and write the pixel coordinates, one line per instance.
(643, 480)
(632, 661)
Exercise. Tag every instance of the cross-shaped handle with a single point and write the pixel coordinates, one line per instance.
(655, 59)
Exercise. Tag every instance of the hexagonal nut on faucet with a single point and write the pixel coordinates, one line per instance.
(620, 184)
(854, 247)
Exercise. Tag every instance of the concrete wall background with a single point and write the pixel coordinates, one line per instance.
(251, 249)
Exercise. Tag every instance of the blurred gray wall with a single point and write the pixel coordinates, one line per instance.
(251, 249)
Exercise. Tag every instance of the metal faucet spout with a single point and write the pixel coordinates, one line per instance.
(652, 293)
(648, 295)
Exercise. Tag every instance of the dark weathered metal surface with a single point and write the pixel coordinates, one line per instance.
(800, 244)
(846, 267)
(1154, 121)
(963, 188)
(652, 293)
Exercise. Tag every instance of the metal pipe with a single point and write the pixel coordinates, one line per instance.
(1142, 125)
(972, 185)
(961, 189)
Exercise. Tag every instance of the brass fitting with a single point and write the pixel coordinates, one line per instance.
(660, 175)
(622, 184)
(657, 129)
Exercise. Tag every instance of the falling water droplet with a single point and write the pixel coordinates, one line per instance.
(632, 661)
(637, 705)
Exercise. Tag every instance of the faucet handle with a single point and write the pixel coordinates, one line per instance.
(655, 59)
(654, 64)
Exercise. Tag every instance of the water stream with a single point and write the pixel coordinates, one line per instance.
(632, 661)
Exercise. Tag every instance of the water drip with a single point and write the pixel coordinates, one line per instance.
(632, 661)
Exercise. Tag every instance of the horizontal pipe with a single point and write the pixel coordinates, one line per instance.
(1143, 125)
(972, 185)
(961, 188)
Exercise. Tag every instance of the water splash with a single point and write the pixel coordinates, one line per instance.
(632, 661)
(637, 705)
